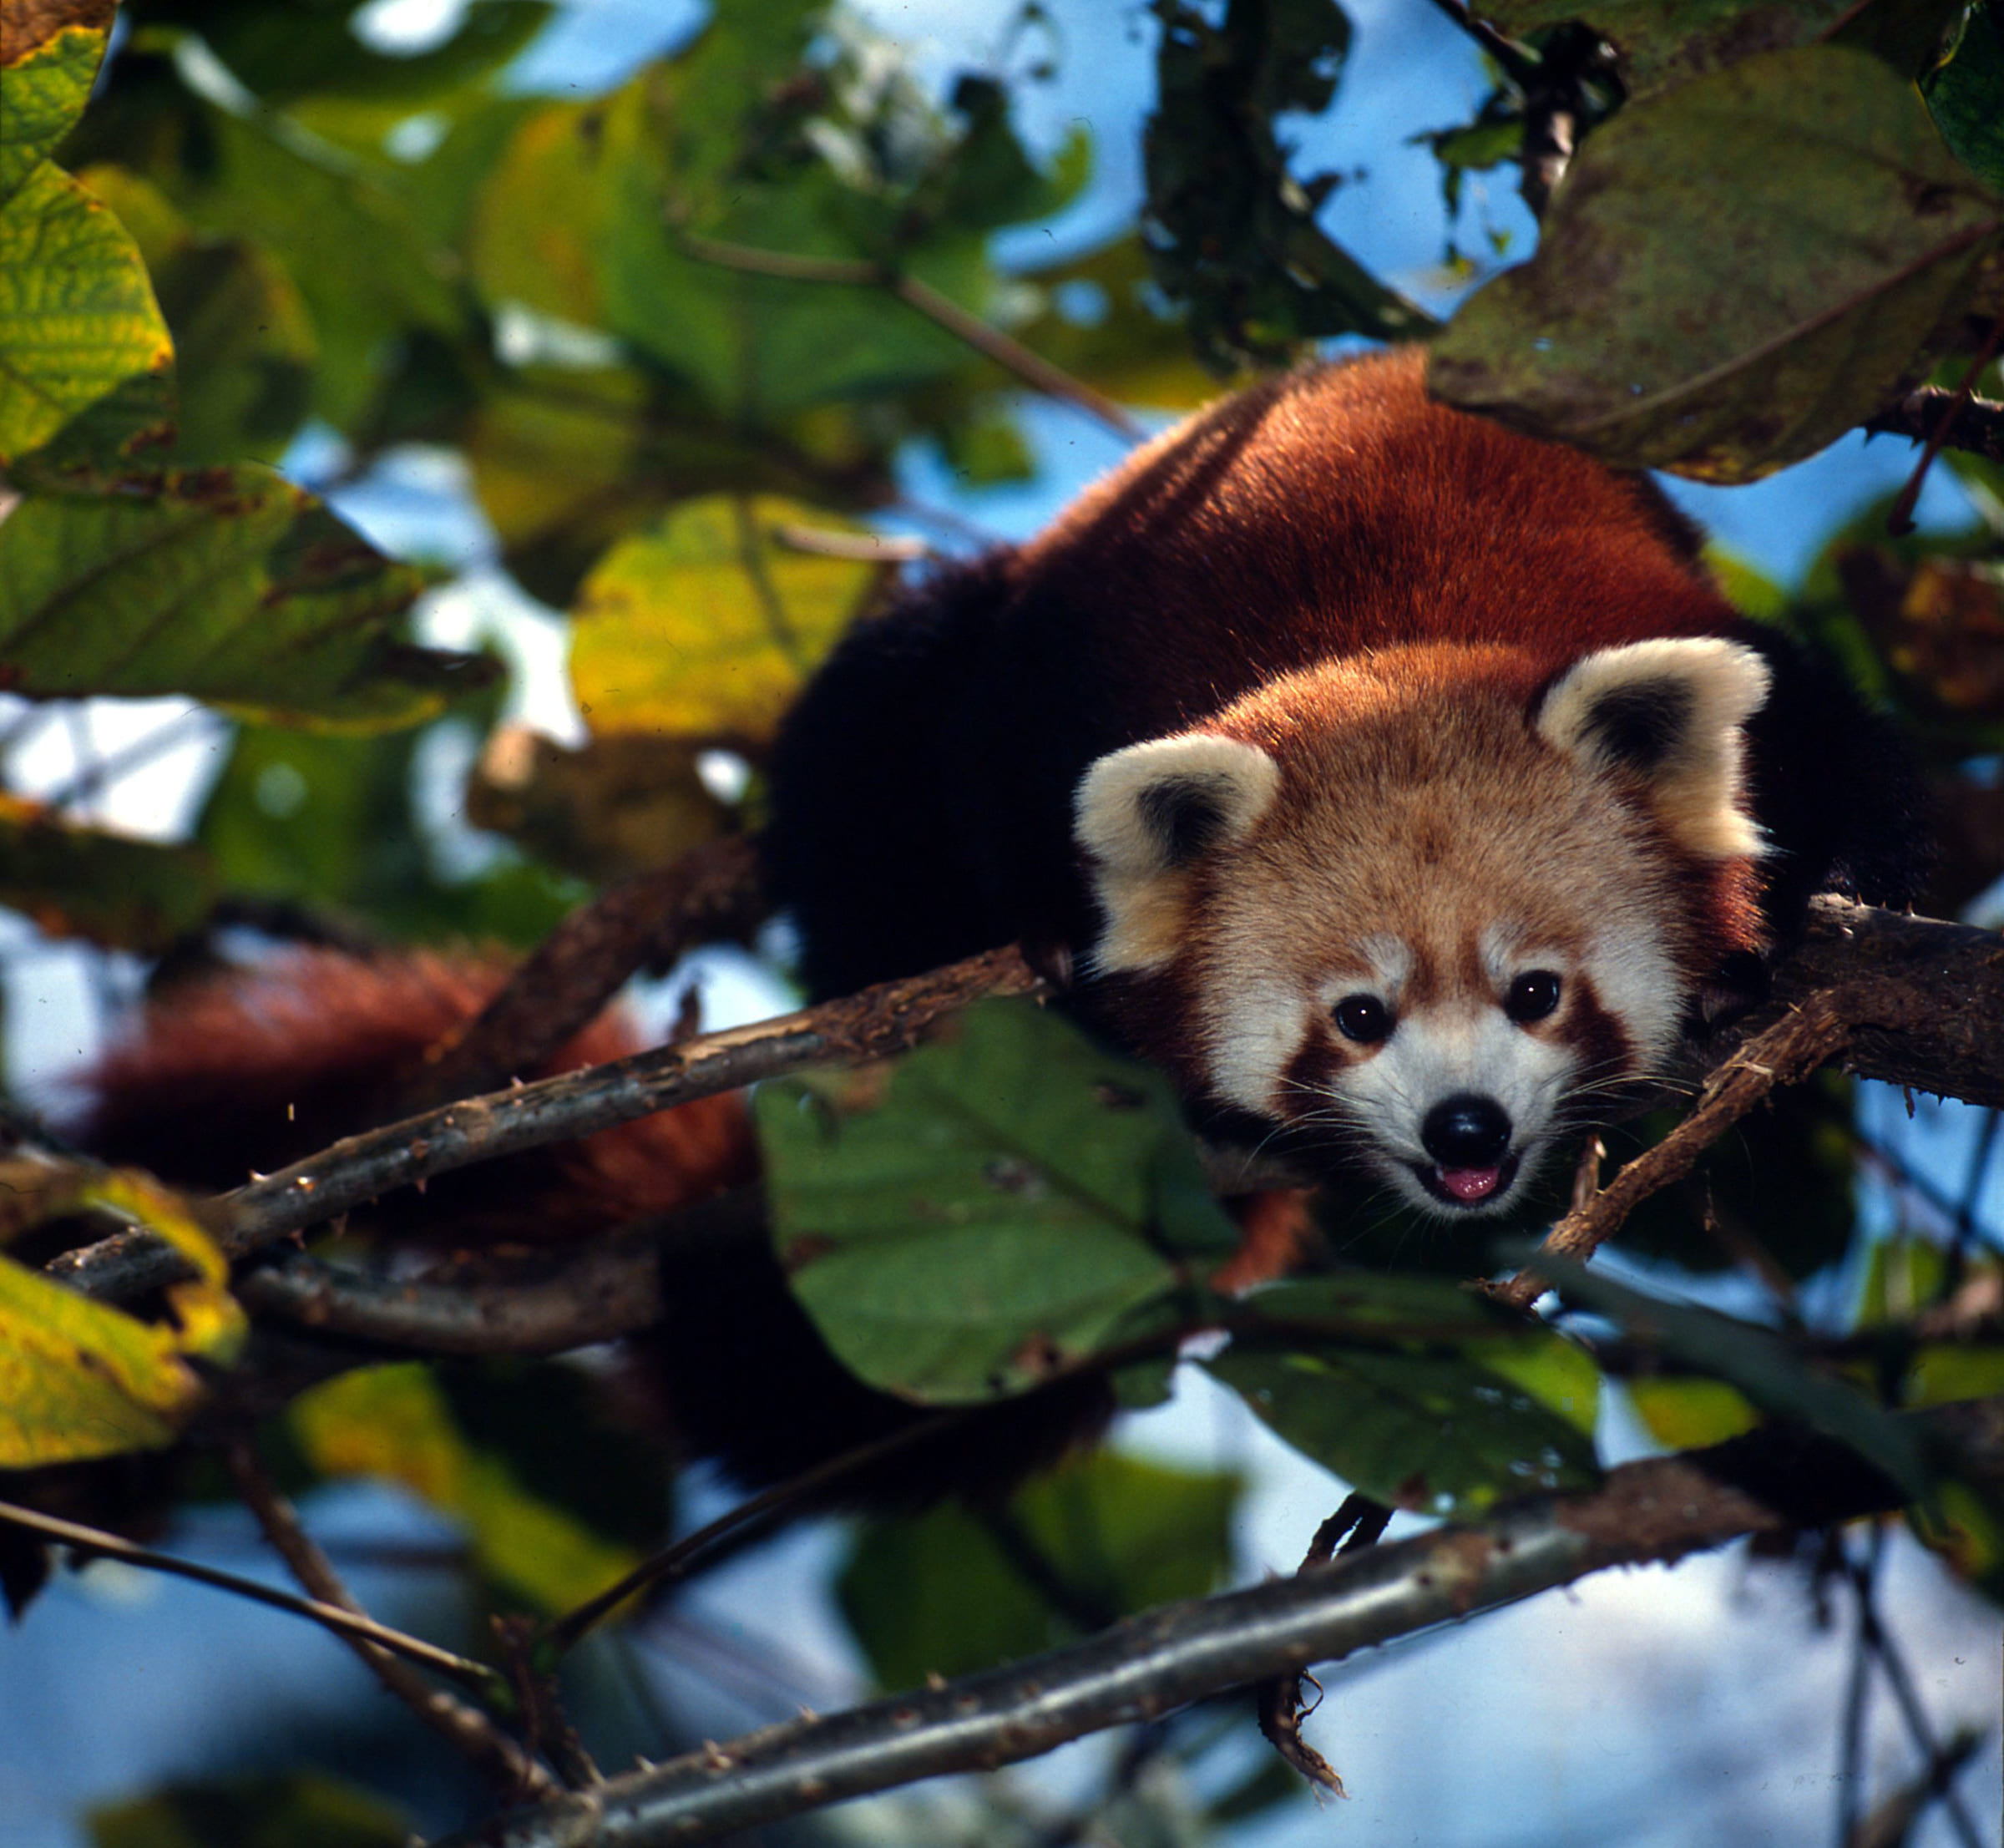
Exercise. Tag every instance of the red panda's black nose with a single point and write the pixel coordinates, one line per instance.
(1466, 1131)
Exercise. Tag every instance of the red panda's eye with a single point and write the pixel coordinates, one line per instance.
(1532, 996)
(1363, 1018)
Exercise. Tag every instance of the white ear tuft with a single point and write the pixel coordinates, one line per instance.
(1145, 814)
(1669, 712)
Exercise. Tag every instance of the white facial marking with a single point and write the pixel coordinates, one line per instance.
(1440, 1052)
(1256, 1032)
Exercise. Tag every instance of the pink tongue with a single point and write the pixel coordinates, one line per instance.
(1471, 1183)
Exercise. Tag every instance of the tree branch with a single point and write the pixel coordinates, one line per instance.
(1976, 424)
(464, 1726)
(1785, 1054)
(892, 1017)
(1769, 1480)
(712, 893)
(95, 1542)
(1012, 356)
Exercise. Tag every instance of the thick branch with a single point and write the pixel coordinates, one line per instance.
(1923, 999)
(1657, 1510)
(596, 1291)
(892, 1017)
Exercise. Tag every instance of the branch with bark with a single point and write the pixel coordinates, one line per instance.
(1916, 1000)
(890, 1018)
(1770, 1481)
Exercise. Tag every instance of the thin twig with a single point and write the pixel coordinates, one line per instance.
(710, 893)
(1907, 1698)
(1515, 61)
(1011, 355)
(464, 1726)
(1278, 1699)
(96, 1543)
(1899, 519)
(1789, 1050)
(687, 1554)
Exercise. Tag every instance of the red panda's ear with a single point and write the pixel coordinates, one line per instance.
(1669, 712)
(1145, 814)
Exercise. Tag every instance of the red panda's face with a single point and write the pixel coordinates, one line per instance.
(1429, 919)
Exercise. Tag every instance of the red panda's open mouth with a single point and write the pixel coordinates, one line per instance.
(1471, 1188)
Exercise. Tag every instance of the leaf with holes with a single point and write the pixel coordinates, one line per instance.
(1001, 1208)
(228, 585)
(707, 625)
(1733, 273)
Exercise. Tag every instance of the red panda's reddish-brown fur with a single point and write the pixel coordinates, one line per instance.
(266, 1064)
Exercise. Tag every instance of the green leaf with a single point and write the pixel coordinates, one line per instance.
(1413, 1390)
(992, 1216)
(51, 59)
(1231, 232)
(370, 275)
(1431, 1431)
(296, 1809)
(1733, 273)
(1965, 94)
(244, 346)
(393, 1423)
(106, 888)
(85, 357)
(956, 1591)
(228, 585)
(706, 625)
(287, 54)
(1664, 43)
(1757, 1362)
(325, 820)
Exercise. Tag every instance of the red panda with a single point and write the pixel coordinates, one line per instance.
(1401, 784)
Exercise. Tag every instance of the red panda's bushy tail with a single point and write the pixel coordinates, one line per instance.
(245, 1070)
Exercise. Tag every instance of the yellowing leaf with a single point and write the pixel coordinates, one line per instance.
(84, 354)
(52, 53)
(393, 1423)
(228, 585)
(1688, 1414)
(705, 627)
(79, 1378)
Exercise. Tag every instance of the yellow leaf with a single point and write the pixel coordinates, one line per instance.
(1685, 1414)
(393, 1423)
(705, 627)
(79, 1378)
